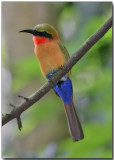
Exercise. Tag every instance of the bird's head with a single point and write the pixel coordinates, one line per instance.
(42, 33)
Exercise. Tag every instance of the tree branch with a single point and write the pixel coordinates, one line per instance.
(17, 111)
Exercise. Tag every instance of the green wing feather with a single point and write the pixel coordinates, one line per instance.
(65, 53)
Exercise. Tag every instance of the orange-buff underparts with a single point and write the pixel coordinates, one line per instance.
(39, 40)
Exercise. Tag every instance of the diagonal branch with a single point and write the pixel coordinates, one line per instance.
(17, 111)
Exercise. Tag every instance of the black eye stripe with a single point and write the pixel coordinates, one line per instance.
(45, 34)
(42, 34)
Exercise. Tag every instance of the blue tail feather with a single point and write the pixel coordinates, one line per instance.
(64, 90)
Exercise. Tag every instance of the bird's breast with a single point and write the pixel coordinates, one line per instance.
(49, 56)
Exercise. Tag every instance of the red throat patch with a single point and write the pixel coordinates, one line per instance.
(40, 40)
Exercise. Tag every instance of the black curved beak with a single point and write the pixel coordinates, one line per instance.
(34, 32)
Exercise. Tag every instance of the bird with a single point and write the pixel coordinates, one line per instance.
(52, 56)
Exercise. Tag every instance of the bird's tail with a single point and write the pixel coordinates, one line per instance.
(73, 122)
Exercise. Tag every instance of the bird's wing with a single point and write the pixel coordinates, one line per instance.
(65, 53)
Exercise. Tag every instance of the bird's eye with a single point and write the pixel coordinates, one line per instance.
(45, 32)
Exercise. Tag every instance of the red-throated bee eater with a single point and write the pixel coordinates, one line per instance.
(52, 55)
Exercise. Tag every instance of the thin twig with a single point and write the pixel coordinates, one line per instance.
(12, 105)
(16, 112)
(25, 98)
(19, 123)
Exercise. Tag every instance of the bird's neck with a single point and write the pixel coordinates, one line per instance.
(40, 40)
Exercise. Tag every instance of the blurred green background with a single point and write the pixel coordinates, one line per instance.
(45, 133)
